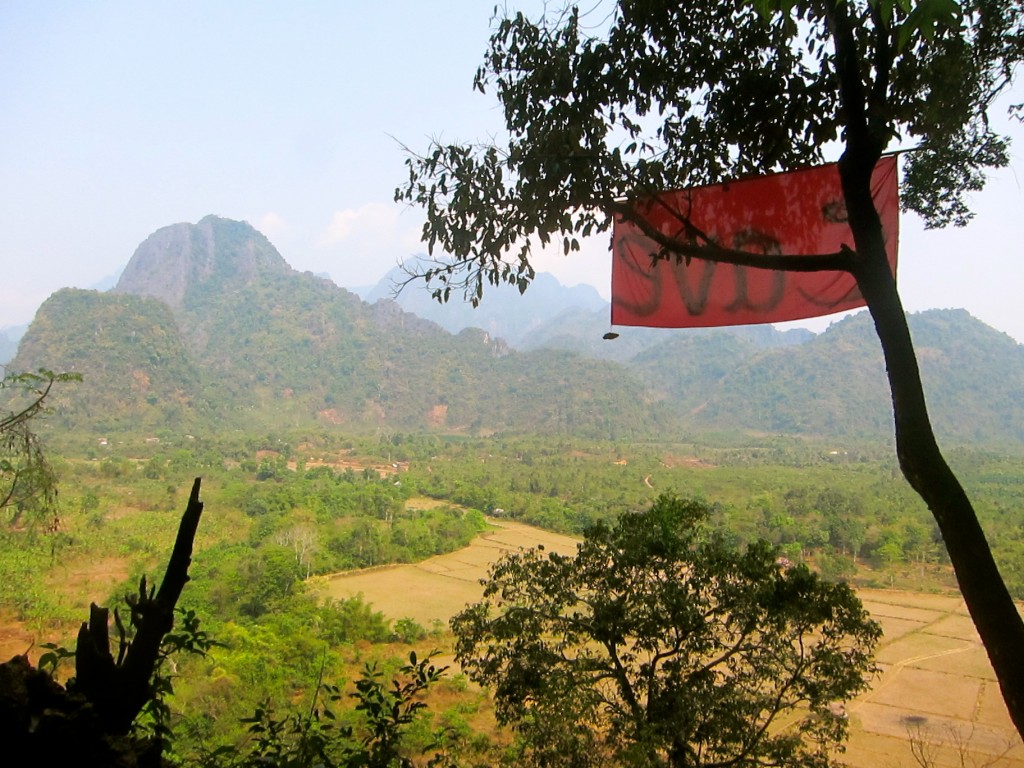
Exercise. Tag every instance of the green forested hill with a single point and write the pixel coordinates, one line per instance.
(137, 370)
(688, 370)
(835, 384)
(973, 374)
(237, 339)
(210, 327)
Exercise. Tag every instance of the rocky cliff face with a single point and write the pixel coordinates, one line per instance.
(181, 258)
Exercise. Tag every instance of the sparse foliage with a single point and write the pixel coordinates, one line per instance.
(28, 486)
(317, 737)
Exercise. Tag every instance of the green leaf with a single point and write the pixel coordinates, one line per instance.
(927, 18)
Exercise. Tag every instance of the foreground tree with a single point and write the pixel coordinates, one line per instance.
(660, 645)
(666, 95)
(95, 719)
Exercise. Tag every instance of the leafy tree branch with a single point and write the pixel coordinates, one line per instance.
(27, 481)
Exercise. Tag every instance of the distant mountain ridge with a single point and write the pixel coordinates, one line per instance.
(9, 338)
(548, 315)
(209, 327)
(505, 312)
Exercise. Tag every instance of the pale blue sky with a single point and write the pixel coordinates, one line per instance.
(118, 118)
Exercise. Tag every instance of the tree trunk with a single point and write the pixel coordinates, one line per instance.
(119, 689)
(89, 722)
(992, 609)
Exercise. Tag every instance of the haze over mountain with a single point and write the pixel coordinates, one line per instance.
(505, 312)
(209, 328)
(9, 338)
(549, 315)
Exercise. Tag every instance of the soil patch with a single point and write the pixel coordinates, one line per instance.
(88, 581)
(438, 588)
(15, 639)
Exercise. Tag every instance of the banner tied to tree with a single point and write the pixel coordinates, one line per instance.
(793, 213)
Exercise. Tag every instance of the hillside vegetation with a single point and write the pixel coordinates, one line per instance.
(210, 326)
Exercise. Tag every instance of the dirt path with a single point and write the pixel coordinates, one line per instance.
(15, 639)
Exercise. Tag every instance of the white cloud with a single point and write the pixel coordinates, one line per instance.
(272, 225)
(372, 219)
(360, 245)
(340, 227)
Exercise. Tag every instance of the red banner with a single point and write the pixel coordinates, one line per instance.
(794, 213)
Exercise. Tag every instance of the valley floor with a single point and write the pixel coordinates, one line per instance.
(935, 686)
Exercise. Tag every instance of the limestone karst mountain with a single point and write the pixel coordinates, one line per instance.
(208, 324)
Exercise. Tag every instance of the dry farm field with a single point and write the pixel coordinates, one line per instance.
(934, 687)
(935, 683)
(439, 587)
